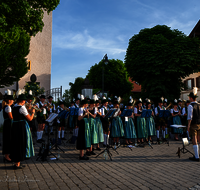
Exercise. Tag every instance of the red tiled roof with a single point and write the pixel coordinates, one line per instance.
(136, 87)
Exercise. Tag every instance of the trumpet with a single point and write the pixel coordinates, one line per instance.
(32, 106)
(66, 108)
(48, 105)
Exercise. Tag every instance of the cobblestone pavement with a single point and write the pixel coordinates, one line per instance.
(141, 168)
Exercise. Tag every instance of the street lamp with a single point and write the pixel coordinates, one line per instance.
(105, 61)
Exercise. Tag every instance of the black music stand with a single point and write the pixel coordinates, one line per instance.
(110, 114)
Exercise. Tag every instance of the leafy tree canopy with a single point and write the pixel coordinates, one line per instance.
(115, 77)
(158, 58)
(75, 88)
(27, 14)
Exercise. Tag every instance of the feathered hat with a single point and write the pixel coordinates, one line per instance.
(175, 102)
(194, 93)
(30, 95)
(8, 95)
(21, 94)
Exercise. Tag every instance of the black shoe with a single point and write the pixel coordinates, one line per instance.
(92, 153)
(42, 140)
(51, 133)
(39, 141)
(158, 140)
(5, 160)
(88, 153)
(83, 158)
(98, 149)
(22, 165)
(65, 132)
(63, 138)
(194, 159)
(17, 167)
(71, 132)
(92, 149)
(104, 145)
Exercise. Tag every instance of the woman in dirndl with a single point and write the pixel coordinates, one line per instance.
(141, 123)
(129, 127)
(176, 120)
(22, 144)
(8, 119)
(93, 127)
(84, 136)
(150, 123)
(117, 129)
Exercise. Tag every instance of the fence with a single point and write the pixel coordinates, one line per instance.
(55, 93)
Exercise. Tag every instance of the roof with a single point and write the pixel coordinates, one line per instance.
(136, 86)
(196, 31)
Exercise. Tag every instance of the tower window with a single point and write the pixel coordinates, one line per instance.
(29, 65)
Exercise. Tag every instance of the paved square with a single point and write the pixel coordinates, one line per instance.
(141, 168)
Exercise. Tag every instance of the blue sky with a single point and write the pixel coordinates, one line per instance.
(85, 30)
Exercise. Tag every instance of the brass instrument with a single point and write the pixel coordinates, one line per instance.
(48, 105)
(183, 104)
(32, 106)
(66, 109)
(168, 106)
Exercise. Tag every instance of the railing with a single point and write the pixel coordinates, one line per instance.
(55, 93)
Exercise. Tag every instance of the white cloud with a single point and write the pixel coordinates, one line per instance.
(71, 40)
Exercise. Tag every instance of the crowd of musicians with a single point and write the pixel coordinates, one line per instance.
(91, 125)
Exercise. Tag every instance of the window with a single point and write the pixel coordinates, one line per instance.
(189, 84)
(29, 65)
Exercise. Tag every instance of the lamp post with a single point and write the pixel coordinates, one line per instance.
(104, 62)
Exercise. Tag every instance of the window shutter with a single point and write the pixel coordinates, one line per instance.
(192, 82)
(198, 82)
(185, 85)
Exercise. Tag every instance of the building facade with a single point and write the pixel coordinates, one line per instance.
(39, 57)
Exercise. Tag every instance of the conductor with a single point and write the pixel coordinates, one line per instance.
(194, 122)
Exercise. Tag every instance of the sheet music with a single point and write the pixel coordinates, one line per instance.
(51, 117)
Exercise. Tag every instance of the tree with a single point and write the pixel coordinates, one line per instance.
(158, 58)
(19, 20)
(67, 97)
(36, 90)
(14, 47)
(115, 77)
(75, 88)
(27, 15)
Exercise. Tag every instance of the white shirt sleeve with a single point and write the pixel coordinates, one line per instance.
(8, 109)
(102, 111)
(95, 111)
(183, 112)
(190, 112)
(156, 111)
(80, 112)
(23, 111)
(172, 111)
(135, 110)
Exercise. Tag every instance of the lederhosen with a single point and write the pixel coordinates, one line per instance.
(160, 121)
(40, 116)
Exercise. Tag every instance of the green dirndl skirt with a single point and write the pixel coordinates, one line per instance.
(117, 129)
(129, 129)
(99, 129)
(71, 122)
(141, 127)
(150, 124)
(94, 131)
(87, 133)
(177, 121)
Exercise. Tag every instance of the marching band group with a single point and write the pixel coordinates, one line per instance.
(91, 125)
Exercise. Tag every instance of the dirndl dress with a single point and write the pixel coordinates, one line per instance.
(129, 129)
(150, 125)
(93, 129)
(177, 121)
(99, 129)
(117, 129)
(141, 127)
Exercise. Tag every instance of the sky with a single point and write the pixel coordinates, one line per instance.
(85, 30)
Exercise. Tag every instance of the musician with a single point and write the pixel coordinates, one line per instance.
(75, 120)
(144, 106)
(129, 127)
(7, 125)
(92, 112)
(110, 105)
(185, 112)
(176, 113)
(99, 124)
(84, 137)
(141, 122)
(160, 121)
(41, 117)
(194, 122)
(179, 104)
(117, 129)
(105, 122)
(165, 103)
(150, 124)
(61, 121)
(22, 145)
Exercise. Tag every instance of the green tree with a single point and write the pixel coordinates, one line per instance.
(115, 77)
(14, 47)
(75, 88)
(34, 87)
(67, 97)
(158, 58)
(27, 14)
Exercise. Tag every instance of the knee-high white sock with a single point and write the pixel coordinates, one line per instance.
(41, 133)
(108, 139)
(164, 134)
(105, 139)
(166, 131)
(63, 133)
(38, 135)
(157, 133)
(59, 134)
(196, 151)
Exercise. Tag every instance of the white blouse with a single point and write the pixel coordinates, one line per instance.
(8, 109)
(22, 110)
(80, 111)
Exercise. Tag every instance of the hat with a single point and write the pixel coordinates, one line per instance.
(91, 101)
(83, 102)
(109, 100)
(50, 97)
(188, 101)
(42, 96)
(148, 101)
(97, 101)
(115, 102)
(194, 93)
(165, 101)
(139, 101)
(179, 100)
(8, 95)
(30, 95)
(160, 100)
(175, 102)
(21, 94)
(130, 102)
(72, 101)
(104, 101)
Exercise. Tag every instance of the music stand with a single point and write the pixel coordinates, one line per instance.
(110, 114)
